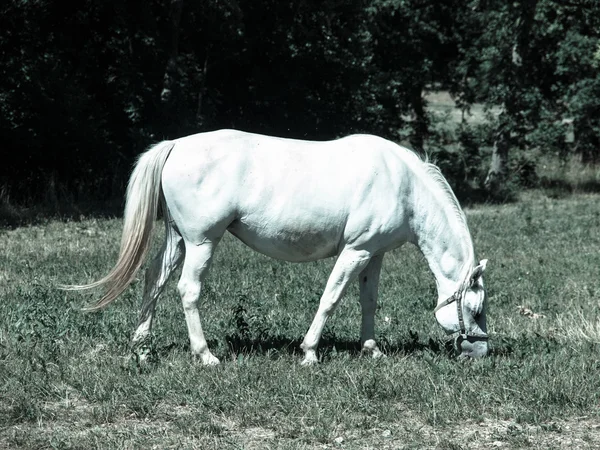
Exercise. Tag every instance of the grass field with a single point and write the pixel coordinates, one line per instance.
(67, 379)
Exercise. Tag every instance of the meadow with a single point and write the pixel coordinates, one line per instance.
(68, 380)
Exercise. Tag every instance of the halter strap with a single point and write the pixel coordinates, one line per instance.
(446, 302)
(458, 298)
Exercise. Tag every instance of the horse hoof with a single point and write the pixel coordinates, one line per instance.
(210, 360)
(378, 354)
(310, 359)
(370, 347)
(143, 355)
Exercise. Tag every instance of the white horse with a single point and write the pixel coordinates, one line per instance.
(354, 198)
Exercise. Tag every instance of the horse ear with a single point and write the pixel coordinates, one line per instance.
(478, 271)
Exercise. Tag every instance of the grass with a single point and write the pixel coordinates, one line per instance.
(67, 380)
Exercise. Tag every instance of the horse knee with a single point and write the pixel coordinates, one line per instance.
(189, 293)
(327, 306)
(189, 302)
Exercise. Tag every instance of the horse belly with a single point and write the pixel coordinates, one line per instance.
(288, 243)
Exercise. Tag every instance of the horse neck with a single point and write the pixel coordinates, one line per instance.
(442, 235)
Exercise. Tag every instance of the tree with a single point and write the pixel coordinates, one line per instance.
(166, 95)
(575, 27)
(84, 89)
(534, 60)
(499, 65)
(416, 44)
(79, 92)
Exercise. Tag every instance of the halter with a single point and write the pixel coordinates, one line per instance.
(458, 297)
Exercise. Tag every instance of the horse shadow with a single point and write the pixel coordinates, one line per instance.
(330, 346)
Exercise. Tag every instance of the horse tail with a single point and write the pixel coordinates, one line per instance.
(144, 194)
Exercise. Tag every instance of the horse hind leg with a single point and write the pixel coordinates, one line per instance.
(369, 285)
(157, 274)
(348, 265)
(195, 268)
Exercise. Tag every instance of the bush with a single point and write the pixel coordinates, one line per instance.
(462, 163)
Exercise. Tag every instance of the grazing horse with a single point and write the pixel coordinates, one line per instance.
(354, 198)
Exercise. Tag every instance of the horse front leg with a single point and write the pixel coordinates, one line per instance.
(157, 275)
(348, 265)
(369, 284)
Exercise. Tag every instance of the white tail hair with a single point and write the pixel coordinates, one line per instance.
(141, 207)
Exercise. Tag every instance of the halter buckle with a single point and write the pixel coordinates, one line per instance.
(458, 340)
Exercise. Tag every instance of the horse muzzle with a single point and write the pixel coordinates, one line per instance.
(471, 346)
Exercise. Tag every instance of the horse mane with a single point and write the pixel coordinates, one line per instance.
(451, 204)
(441, 182)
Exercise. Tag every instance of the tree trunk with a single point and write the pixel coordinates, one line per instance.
(588, 142)
(199, 115)
(516, 80)
(166, 95)
(421, 123)
(498, 171)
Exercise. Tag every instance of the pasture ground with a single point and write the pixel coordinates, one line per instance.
(67, 379)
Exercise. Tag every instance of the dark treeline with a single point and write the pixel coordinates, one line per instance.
(86, 86)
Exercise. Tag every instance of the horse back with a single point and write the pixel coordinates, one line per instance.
(290, 199)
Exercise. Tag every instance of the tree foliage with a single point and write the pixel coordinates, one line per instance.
(535, 60)
(85, 87)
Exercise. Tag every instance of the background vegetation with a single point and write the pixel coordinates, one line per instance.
(85, 87)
